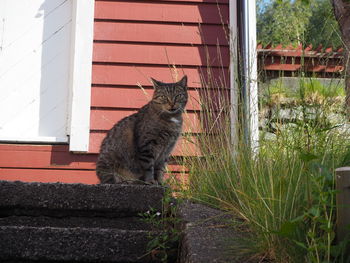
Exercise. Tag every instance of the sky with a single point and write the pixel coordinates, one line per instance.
(263, 3)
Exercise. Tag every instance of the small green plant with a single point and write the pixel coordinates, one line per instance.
(163, 246)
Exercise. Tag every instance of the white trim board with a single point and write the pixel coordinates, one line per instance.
(41, 140)
(234, 83)
(80, 79)
(251, 81)
(245, 11)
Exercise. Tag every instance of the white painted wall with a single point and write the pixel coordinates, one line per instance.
(45, 71)
(35, 39)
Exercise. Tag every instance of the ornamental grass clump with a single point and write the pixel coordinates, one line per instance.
(283, 194)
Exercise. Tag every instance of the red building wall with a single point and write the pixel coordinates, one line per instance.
(133, 40)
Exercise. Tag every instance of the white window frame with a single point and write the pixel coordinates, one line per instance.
(80, 78)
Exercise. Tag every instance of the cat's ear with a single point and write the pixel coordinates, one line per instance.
(183, 82)
(156, 83)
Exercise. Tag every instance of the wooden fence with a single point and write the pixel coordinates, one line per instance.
(291, 61)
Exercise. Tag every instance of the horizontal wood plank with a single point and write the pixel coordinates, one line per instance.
(285, 67)
(175, 1)
(49, 176)
(199, 1)
(132, 75)
(184, 147)
(19, 160)
(308, 67)
(325, 68)
(44, 157)
(132, 98)
(105, 119)
(102, 119)
(160, 33)
(180, 180)
(68, 176)
(163, 11)
(4, 147)
(161, 54)
(177, 168)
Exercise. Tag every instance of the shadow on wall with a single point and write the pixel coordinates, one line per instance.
(56, 18)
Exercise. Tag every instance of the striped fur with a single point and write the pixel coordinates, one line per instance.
(138, 146)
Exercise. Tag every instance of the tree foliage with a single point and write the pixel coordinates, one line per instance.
(297, 22)
(323, 28)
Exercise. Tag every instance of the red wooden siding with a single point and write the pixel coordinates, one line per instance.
(133, 40)
(159, 33)
(183, 147)
(205, 12)
(159, 54)
(126, 75)
(102, 120)
(47, 163)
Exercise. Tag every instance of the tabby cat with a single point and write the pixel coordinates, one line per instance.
(138, 146)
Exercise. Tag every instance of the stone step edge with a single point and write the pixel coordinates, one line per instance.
(23, 198)
(78, 244)
(126, 223)
(207, 235)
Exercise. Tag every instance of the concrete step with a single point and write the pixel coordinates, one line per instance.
(72, 244)
(56, 199)
(53, 222)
